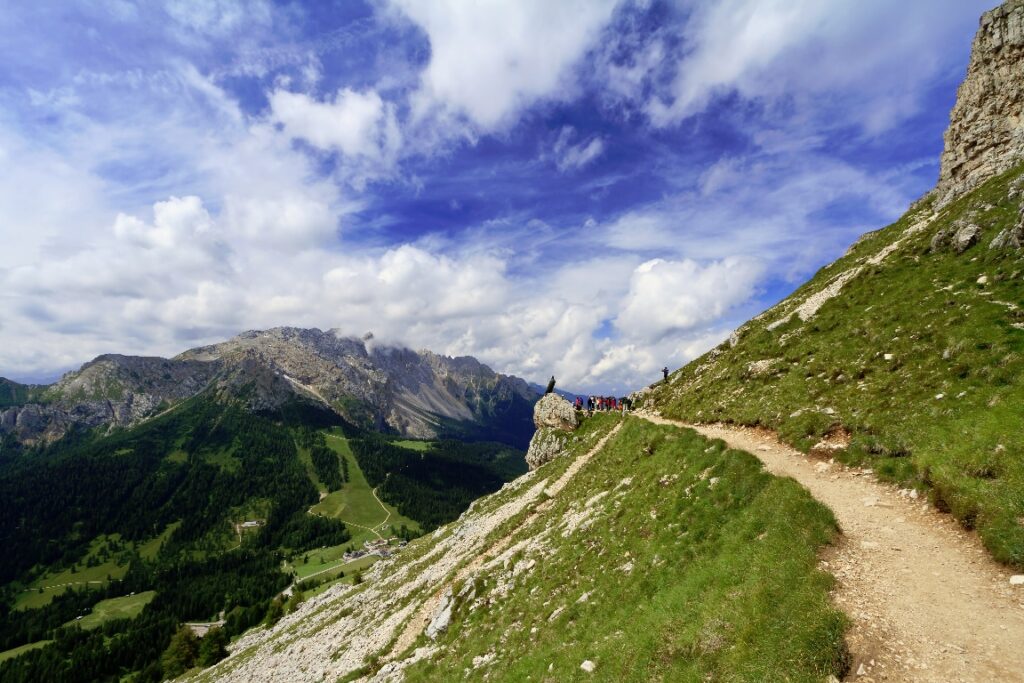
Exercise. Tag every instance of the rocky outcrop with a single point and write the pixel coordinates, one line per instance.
(555, 419)
(35, 423)
(959, 237)
(986, 130)
(554, 412)
(1010, 238)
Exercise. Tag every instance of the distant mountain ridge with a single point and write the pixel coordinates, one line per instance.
(382, 388)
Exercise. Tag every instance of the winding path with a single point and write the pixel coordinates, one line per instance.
(387, 513)
(926, 601)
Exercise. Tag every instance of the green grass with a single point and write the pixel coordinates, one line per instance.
(413, 445)
(82, 576)
(723, 582)
(126, 607)
(947, 335)
(11, 654)
(355, 504)
(333, 560)
(149, 549)
(55, 584)
(178, 457)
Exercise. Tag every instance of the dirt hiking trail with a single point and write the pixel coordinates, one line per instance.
(926, 601)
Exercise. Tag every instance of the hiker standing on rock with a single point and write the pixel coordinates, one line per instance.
(551, 385)
(664, 371)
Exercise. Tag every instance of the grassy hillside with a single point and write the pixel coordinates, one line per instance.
(917, 362)
(355, 503)
(687, 562)
(665, 557)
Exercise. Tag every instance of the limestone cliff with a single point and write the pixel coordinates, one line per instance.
(986, 130)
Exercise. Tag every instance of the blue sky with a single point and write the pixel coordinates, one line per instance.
(585, 188)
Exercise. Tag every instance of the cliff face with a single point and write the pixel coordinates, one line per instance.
(986, 130)
(113, 390)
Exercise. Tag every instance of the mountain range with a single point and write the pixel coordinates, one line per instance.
(372, 386)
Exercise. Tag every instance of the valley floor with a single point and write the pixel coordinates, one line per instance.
(926, 601)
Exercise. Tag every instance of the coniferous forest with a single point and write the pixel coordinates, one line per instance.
(162, 503)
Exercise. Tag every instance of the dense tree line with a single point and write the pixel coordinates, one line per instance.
(241, 584)
(328, 469)
(435, 486)
(191, 466)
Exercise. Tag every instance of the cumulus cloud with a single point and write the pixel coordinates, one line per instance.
(488, 60)
(188, 212)
(672, 297)
(179, 277)
(354, 123)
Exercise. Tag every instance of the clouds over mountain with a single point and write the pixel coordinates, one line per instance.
(591, 189)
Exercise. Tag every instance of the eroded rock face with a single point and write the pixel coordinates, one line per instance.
(959, 237)
(555, 419)
(986, 129)
(546, 445)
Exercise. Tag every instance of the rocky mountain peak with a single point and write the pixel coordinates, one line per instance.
(373, 385)
(986, 129)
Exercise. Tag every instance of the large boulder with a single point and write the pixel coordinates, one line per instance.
(555, 412)
(555, 419)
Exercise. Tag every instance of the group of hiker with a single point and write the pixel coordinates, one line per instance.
(603, 404)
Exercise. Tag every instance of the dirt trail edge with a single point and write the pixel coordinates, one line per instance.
(926, 601)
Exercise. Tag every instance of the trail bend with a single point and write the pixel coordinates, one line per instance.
(925, 600)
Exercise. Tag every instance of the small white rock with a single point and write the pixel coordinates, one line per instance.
(1017, 580)
(861, 671)
(588, 666)
(983, 280)
(888, 356)
(939, 397)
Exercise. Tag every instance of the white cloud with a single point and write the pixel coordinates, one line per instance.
(176, 221)
(218, 17)
(572, 157)
(778, 50)
(491, 59)
(672, 297)
(354, 123)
